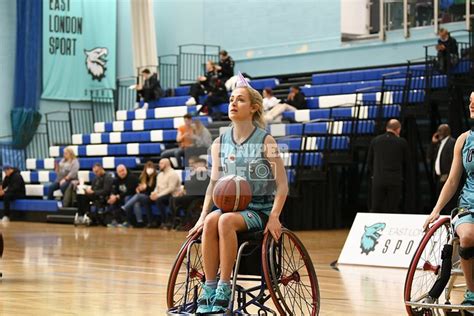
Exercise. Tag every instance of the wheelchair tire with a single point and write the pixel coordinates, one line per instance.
(426, 265)
(177, 280)
(290, 276)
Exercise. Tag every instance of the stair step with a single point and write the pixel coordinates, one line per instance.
(60, 219)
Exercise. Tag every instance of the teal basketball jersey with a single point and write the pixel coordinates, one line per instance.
(248, 161)
(466, 199)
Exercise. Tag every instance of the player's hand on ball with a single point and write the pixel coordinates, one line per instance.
(431, 219)
(273, 227)
(198, 227)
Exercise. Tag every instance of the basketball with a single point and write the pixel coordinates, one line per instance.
(232, 193)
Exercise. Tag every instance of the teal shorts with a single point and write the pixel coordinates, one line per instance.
(467, 219)
(255, 220)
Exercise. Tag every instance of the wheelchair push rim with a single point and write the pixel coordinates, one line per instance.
(425, 265)
(290, 275)
(176, 290)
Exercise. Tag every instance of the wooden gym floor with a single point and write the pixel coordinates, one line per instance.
(51, 269)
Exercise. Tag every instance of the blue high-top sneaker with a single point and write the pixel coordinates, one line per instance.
(468, 298)
(222, 298)
(205, 300)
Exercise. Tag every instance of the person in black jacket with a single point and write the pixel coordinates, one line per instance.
(202, 86)
(217, 94)
(388, 164)
(125, 184)
(440, 154)
(97, 194)
(226, 66)
(296, 98)
(151, 89)
(447, 48)
(13, 188)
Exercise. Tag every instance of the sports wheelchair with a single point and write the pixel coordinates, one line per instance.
(433, 272)
(281, 271)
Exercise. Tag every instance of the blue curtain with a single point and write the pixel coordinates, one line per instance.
(25, 117)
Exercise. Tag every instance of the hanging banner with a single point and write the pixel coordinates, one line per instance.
(79, 48)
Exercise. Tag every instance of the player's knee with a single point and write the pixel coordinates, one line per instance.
(210, 222)
(466, 239)
(226, 223)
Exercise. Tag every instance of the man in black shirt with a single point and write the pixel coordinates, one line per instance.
(447, 48)
(125, 186)
(97, 193)
(296, 98)
(388, 162)
(13, 188)
(225, 67)
(151, 89)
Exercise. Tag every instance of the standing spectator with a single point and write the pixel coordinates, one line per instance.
(13, 188)
(193, 193)
(184, 140)
(296, 98)
(440, 155)
(66, 171)
(125, 184)
(388, 162)
(142, 197)
(97, 194)
(225, 67)
(151, 89)
(447, 48)
(167, 183)
(201, 87)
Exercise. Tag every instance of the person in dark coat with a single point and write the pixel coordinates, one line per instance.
(151, 89)
(296, 98)
(440, 155)
(13, 188)
(125, 185)
(226, 66)
(97, 194)
(447, 48)
(388, 164)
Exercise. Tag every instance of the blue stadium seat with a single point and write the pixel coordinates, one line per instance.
(125, 137)
(314, 143)
(50, 176)
(181, 91)
(260, 84)
(33, 205)
(141, 125)
(166, 112)
(365, 112)
(86, 163)
(131, 149)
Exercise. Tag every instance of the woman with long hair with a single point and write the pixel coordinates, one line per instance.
(66, 171)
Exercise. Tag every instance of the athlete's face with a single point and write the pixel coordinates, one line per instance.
(471, 105)
(240, 108)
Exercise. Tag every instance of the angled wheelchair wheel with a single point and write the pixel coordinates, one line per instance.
(425, 267)
(290, 276)
(183, 287)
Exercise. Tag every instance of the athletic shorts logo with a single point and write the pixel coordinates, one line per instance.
(370, 237)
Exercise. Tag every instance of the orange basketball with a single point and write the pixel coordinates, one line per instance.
(232, 193)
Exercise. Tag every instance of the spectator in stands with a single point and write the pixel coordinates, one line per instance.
(202, 140)
(168, 182)
(201, 87)
(151, 89)
(184, 139)
(296, 98)
(440, 155)
(13, 188)
(66, 171)
(191, 195)
(125, 184)
(424, 12)
(217, 94)
(225, 67)
(388, 162)
(447, 48)
(141, 199)
(273, 108)
(269, 100)
(97, 194)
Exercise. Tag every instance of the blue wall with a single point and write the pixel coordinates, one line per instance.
(7, 62)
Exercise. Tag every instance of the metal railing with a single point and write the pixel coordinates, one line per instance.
(125, 97)
(168, 70)
(103, 105)
(192, 60)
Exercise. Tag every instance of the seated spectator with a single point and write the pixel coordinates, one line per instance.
(274, 110)
(66, 171)
(13, 188)
(447, 48)
(202, 140)
(141, 199)
(217, 94)
(151, 89)
(125, 184)
(191, 195)
(97, 193)
(226, 66)
(184, 139)
(168, 182)
(201, 87)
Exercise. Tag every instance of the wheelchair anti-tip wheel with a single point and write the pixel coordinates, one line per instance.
(425, 267)
(181, 292)
(290, 275)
